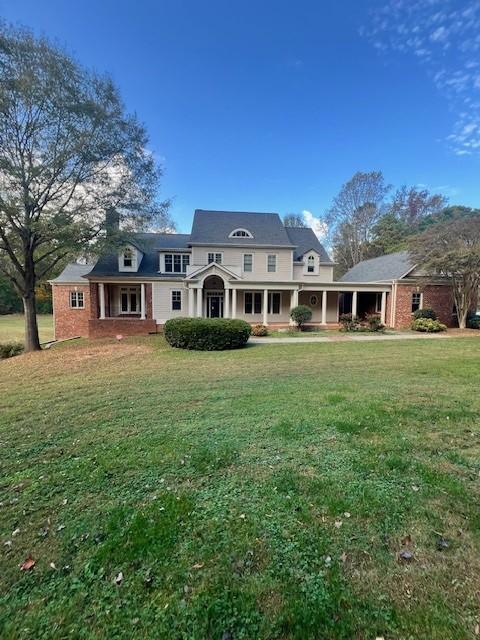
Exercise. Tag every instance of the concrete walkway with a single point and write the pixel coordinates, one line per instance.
(364, 337)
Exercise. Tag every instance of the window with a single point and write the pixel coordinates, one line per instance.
(176, 262)
(274, 299)
(313, 300)
(176, 300)
(271, 263)
(311, 264)
(248, 262)
(253, 302)
(128, 257)
(129, 299)
(215, 257)
(416, 301)
(77, 300)
(240, 233)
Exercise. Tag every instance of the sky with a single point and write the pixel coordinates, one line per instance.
(271, 105)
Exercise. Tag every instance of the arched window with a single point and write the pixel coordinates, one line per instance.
(240, 233)
(313, 300)
(311, 264)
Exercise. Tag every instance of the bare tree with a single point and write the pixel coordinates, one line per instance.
(294, 220)
(68, 154)
(412, 205)
(451, 249)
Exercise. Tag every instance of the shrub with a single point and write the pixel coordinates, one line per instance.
(349, 322)
(473, 321)
(202, 334)
(427, 325)
(259, 330)
(374, 322)
(10, 349)
(300, 315)
(425, 313)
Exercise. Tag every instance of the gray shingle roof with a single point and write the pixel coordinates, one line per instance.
(214, 227)
(73, 273)
(389, 267)
(305, 239)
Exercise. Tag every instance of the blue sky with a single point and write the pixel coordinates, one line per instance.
(270, 105)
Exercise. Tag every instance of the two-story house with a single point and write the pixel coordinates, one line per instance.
(231, 265)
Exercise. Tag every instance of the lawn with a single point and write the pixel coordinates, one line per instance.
(12, 327)
(268, 493)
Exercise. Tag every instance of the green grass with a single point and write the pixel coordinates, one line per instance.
(256, 494)
(12, 328)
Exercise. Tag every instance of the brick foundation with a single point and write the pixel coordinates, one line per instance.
(437, 297)
(120, 326)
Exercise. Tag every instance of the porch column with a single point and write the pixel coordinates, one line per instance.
(383, 308)
(294, 299)
(199, 302)
(142, 301)
(324, 307)
(265, 306)
(226, 310)
(354, 304)
(234, 303)
(191, 302)
(101, 297)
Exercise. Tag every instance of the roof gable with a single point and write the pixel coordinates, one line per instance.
(392, 266)
(215, 227)
(305, 240)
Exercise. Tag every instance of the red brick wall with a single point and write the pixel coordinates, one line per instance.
(70, 323)
(120, 326)
(437, 297)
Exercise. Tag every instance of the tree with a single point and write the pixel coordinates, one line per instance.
(294, 220)
(353, 214)
(412, 205)
(68, 155)
(301, 314)
(388, 235)
(452, 249)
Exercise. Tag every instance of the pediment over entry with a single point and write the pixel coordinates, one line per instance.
(212, 269)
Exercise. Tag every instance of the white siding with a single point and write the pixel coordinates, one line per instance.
(233, 260)
(162, 301)
(325, 274)
(304, 297)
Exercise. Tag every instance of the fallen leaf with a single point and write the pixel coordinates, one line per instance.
(415, 488)
(477, 629)
(346, 514)
(27, 564)
(15, 533)
(406, 540)
(118, 578)
(442, 543)
(198, 565)
(338, 523)
(242, 516)
(343, 557)
(52, 565)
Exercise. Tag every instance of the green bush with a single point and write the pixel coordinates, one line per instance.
(300, 315)
(427, 325)
(425, 313)
(473, 321)
(10, 349)
(349, 322)
(374, 322)
(259, 330)
(202, 334)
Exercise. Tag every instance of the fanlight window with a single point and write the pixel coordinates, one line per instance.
(240, 233)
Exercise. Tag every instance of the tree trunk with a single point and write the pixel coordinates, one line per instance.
(32, 341)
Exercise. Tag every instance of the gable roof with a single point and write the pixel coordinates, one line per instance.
(73, 274)
(214, 227)
(305, 240)
(390, 267)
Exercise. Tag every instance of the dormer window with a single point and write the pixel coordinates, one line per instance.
(311, 264)
(128, 257)
(240, 233)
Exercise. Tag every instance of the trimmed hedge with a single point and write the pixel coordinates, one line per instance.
(428, 313)
(427, 325)
(10, 349)
(204, 334)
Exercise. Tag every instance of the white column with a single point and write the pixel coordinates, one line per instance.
(324, 307)
(234, 303)
(383, 308)
(199, 302)
(191, 302)
(354, 304)
(142, 302)
(101, 295)
(226, 304)
(265, 306)
(294, 299)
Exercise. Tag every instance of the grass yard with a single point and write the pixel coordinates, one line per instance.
(263, 494)
(12, 327)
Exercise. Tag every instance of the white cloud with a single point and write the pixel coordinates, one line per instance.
(319, 228)
(445, 40)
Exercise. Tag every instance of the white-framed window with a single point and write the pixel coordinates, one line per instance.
(240, 233)
(311, 264)
(416, 301)
(129, 299)
(252, 302)
(248, 262)
(313, 300)
(128, 257)
(271, 263)
(274, 302)
(215, 257)
(77, 300)
(176, 262)
(177, 300)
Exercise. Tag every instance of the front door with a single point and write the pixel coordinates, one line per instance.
(215, 307)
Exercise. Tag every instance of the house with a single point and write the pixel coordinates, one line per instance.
(232, 265)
